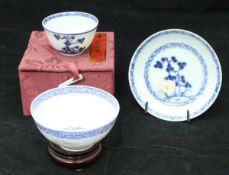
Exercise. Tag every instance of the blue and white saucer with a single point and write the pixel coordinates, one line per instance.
(175, 71)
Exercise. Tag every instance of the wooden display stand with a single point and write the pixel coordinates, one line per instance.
(74, 159)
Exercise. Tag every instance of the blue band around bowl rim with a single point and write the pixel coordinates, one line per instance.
(70, 13)
(74, 89)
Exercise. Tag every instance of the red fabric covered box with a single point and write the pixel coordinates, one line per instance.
(43, 68)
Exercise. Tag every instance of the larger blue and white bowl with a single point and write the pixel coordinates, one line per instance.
(71, 33)
(75, 117)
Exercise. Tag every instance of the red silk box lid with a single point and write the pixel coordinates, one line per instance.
(43, 68)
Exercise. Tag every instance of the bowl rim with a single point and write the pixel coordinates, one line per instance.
(117, 110)
(70, 14)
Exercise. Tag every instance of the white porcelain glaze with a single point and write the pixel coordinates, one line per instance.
(75, 117)
(175, 71)
(70, 33)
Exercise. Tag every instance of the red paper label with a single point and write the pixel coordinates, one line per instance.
(98, 48)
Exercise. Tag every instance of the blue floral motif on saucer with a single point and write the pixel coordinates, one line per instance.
(175, 71)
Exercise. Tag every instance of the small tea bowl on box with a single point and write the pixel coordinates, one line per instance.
(75, 117)
(71, 33)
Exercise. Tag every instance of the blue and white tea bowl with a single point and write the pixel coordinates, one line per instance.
(75, 117)
(71, 33)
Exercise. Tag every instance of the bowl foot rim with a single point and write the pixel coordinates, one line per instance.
(71, 55)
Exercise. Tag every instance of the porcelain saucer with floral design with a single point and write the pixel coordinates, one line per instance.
(175, 71)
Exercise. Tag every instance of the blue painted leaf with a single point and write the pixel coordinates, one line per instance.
(167, 70)
(163, 59)
(173, 77)
(158, 65)
(57, 36)
(173, 59)
(81, 40)
(67, 43)
(182, 78)
(170, 77)
(181, 65)
(188, 85)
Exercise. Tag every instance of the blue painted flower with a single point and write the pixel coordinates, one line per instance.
(173, 67)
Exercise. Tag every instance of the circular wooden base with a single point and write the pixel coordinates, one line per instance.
(73, 159)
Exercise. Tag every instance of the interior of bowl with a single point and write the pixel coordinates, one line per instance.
(70, 22)
(74, 108)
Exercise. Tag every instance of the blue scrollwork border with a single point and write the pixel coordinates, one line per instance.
(57, 15)
(75, 135)
(71, 13)
(73, 89)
